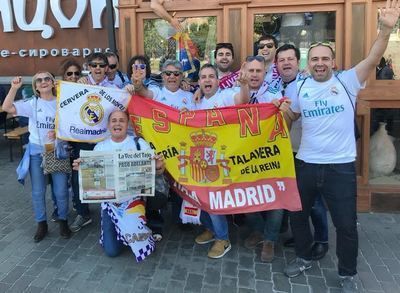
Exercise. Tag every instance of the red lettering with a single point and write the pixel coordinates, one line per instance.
(279, 128)
(186, 115)
(249, 120)
(215, 117)
(136, 121)
(161, 123)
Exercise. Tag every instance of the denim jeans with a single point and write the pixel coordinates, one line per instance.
(319, 219)
(267, 223)
(81, 208)
(337, 184)
(38, 181)
(216, 224)
(112, 247)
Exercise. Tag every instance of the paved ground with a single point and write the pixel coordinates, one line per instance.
(178, 265)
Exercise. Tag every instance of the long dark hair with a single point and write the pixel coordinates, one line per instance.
(141, 58)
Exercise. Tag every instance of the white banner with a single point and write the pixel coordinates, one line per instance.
(83, 110)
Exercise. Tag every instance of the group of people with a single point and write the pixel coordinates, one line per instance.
(318, 105)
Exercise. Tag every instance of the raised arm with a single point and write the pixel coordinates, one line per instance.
(388, 19)
(8, 104)
(140, 89)
(243, 97)
(158, 8)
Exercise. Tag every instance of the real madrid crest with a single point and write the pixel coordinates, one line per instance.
(92, 112)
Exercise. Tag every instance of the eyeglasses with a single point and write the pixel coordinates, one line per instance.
(70, 73)
(112, 66)
(96, 65)
(139, 66)
(258, 58)
(268, 45)
(44, 79)
(168, 73)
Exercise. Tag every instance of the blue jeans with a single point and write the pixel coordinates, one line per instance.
(337, 184)
(81, 208)
(217, 224)
(112, 247)
(267, 223)
(319, 220)
(38, 181)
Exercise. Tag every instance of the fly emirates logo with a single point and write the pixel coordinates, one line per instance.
(321, 108)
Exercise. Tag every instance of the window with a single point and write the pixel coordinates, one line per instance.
(389, 67)
(300, 29)
(159, 42)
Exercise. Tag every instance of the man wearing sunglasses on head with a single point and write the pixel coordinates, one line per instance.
(170, 93)
(266, 47)
(327, 152)
(266, 225)
(114, 75)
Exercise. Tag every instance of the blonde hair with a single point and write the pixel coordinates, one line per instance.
(34, 78)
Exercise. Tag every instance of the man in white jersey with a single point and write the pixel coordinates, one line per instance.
(287, 62)
(327, 150)
(214, 97)
(170, 94)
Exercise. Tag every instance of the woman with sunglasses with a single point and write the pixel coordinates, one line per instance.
(41, 112)
(71, 70)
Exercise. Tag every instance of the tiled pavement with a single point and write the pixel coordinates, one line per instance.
(178, 265)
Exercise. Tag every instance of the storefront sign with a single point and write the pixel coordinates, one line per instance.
(17, 11)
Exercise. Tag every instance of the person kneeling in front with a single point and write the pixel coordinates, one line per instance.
(116, 218)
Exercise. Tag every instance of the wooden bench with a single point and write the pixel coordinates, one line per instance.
(16, 135)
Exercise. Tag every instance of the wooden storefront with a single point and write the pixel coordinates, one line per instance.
(350, 24)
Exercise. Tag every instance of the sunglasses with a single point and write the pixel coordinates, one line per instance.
(324, 44)
(112, 66)
(258, 58)
(44, 79)
(70, 73)
(96, 65)
(139, 66)
(269, 46)
(168, 73)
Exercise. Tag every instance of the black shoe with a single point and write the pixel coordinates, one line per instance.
(289, 242)
(319, 250)
(239, 220)
(41, 231)
(65, 232)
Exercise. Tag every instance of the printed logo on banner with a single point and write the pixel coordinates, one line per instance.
(92, 112)
(204, 164)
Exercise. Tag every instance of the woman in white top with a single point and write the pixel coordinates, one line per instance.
(41, 112)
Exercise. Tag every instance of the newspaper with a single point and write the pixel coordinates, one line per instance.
(116, 176)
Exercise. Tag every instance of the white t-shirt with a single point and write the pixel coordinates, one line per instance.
(178, 100)
(328, 119)
(222, 98)
(41, 114)
(128, 144)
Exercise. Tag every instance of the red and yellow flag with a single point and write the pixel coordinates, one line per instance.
(225, 161)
